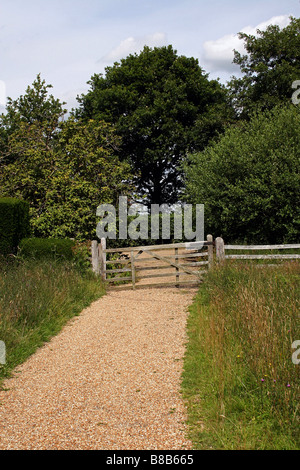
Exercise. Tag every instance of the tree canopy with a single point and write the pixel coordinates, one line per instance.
(269, 67)
(162, 105)
(64, 169)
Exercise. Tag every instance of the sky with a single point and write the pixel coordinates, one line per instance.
(68, 41)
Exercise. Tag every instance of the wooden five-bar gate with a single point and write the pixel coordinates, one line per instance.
(136, 267)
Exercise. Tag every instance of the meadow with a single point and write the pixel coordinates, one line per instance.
(240, 383)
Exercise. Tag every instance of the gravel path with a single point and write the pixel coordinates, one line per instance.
(109, 380)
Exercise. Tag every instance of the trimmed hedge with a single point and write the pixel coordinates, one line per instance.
(53, 248)
(14, 223)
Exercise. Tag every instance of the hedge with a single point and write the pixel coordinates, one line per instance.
(53, 248)
(14, 224)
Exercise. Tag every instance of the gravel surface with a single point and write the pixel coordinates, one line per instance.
(109, 380)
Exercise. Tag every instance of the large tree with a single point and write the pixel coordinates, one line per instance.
(64, 169)
(270, 66)
(162, 105)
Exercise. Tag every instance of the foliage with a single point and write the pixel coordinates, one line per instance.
(239, 382)
(41, 248)
(14, 224)
(249, 181)
(161, 105)
(65, 169)
(270, 66)
(35, 107)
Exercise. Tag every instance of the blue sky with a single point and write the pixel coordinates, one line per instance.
(67, 41)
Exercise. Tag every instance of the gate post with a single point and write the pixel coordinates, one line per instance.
(102, 258)
(132, 269)
(210, 250)
(220, 250)
(176, 269)
(95, 257)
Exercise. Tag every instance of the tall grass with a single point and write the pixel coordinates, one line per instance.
(240, 383)
(37, 297)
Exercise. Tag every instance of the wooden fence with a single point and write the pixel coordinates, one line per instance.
(222, 251)
(185, 263)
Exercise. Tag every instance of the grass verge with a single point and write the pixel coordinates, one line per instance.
(239, 383)
(37, 298)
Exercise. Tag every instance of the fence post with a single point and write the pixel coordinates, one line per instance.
(95, 256)
(176, 269)
(132, 269)
(102, 258)
(210, 250)
(220, 250)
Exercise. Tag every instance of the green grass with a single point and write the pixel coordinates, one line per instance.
(37, 298)
(240, 385)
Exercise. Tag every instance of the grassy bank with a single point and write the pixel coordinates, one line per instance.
(36, 299)
(240, 384)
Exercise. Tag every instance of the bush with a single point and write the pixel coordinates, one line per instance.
(14, 223)
(53, 248)
(249, 180)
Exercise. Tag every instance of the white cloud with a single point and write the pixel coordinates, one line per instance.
(218, 54)
(134, 44)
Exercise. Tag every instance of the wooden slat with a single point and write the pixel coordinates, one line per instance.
(118, 279)
(196, 273)
(175, 265)
(132, 269)
(118, 261)
(262, 256)
(157, 247)
(149, 268)
(182, 256)
(174, 257)
(125, 270)
(261, 247)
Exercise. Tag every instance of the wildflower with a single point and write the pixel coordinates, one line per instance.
(288, 385)
(262, 380)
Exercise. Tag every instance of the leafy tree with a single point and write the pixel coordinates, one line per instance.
(162, 105)
(269, 68)
(35, 107)
(249, 181)
(64, 169)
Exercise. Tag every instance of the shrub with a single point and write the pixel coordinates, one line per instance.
(249, 180)
(14, 223)
(40, 248)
